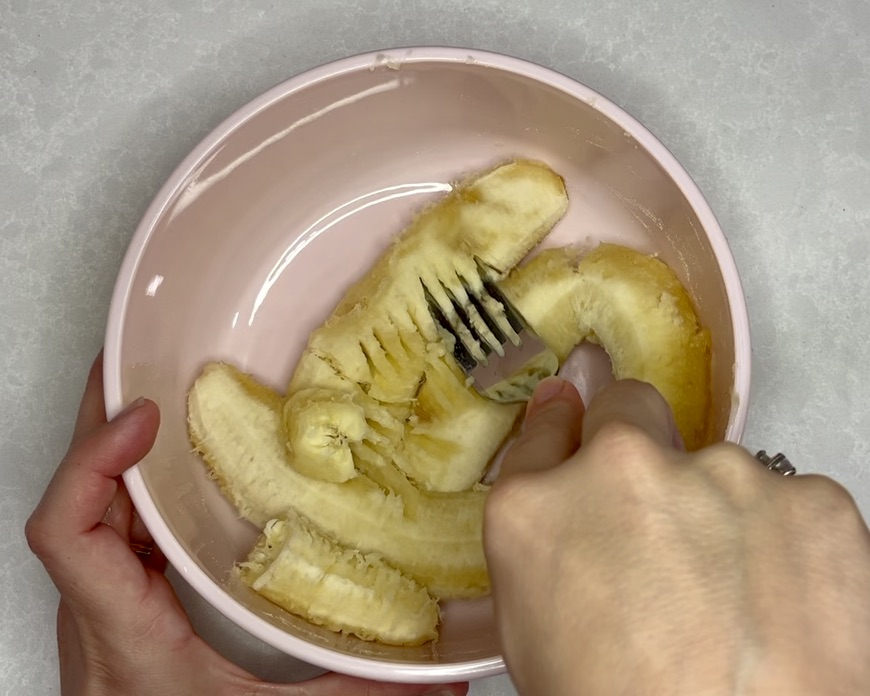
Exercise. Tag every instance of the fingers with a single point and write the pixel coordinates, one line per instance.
(139, 533)
(119, 515)
(555, 422)
(142, 543)
(340, 685)
(632, 403)
(92, 411)
(551, 431)
(123, 518)
(85, 484)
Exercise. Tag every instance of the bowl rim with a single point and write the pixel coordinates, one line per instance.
(326, 658)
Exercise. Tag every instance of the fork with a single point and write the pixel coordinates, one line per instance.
(492, 343)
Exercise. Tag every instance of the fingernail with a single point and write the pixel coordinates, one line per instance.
(129, 408)
(547, 389)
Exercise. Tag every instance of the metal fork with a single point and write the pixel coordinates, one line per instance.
(491, 341)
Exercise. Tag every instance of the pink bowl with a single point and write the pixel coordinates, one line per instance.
(259, 231)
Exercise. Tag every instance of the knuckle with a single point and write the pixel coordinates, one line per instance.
(730, 451)
(619, 434)
(628, 462)
(829, 497)
(37, 534)
(622, 445)
(735, 468)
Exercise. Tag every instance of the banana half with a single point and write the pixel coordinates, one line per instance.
(635, 307)
(378, 364)
(299, 567)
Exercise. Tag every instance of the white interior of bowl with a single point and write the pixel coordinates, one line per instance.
(257, 234)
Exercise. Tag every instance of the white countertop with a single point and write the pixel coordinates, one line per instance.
(765, 103)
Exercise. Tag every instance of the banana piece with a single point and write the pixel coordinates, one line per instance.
(452, 431)
(299, 568)
(320, 442)
(235, 423)
(635, 307)
(382, 342)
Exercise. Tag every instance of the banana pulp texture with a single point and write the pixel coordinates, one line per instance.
(635, 307)
(301, 568)
(377, 448)
(381, 350)
(235, 423)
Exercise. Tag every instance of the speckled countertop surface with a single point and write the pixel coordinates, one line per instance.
(765, 103)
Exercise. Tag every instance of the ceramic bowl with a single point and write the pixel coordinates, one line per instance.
(259, 231)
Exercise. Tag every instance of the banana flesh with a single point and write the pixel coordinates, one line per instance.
(235, 424)
(301, 569)
(320, 444)
(635, 307)
(382, 342)
(452, 432)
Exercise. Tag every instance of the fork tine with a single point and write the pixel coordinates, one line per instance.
(495, 304)
(462, 356)
(467, 349)
(467, 311)
(487, 318)
(504, 311)
(480, 320)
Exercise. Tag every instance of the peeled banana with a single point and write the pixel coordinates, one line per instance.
(298, 567)
(635, 307)
(435, 539)
(365, 475)
(382, 344)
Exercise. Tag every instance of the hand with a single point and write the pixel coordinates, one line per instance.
(121, 629)
(629, 567)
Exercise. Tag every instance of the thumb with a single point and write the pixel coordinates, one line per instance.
(551, 432)
(633, 403)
